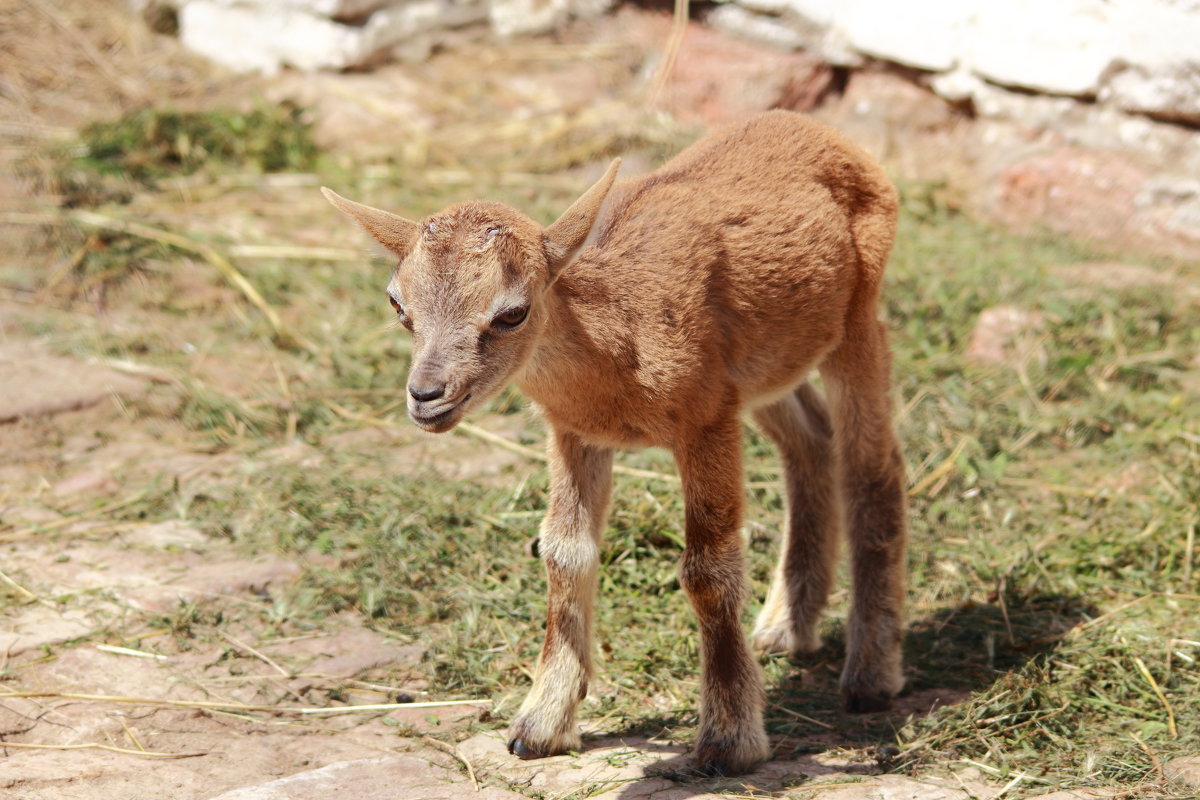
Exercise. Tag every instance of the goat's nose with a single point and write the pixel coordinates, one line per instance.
(423, 394)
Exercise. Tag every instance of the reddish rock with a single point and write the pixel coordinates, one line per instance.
(1184, 772)
(34, 383)
(350, 652)
(718, 78)
(199, 578)
(1006, 334)
(92, 481)
(41, 626)
(386, 778)
(1111, 275)
(1089, 193)
(1089, 793)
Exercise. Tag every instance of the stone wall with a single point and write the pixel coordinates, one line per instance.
(1138, 56)
(266, 35)
(1135, 56)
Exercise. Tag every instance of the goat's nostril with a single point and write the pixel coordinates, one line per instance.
(424, 394)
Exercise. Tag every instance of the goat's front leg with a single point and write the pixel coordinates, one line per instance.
(731, 738)
(580, 486)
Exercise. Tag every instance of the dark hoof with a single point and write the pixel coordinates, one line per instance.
(520, 750)
(867, 703)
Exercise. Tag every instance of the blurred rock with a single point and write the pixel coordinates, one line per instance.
(34, 383)
(1006, 335)
(1082, 191)
(1086, 793)
(530, 17)
(263, 37)
(1112, 275)
(760, 27)
(1184, 772)
(350, 652)
(718, 77)
(92, 481)
(385, 778)
(267, 35)
(171, 533)
(1135, 55)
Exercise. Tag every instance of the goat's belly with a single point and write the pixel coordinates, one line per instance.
(603, 422)
(767, 372)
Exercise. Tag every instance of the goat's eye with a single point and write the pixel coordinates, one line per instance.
(400, 312)
(507, 320)
(492, 233)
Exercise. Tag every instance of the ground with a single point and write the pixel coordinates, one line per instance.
(231, 569)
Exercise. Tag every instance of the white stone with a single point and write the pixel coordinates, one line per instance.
(818, 12)
(759, 27)
(1032, 110)
(957, 85)
(1137, 55)
(336, 9)
(586, 9)
(1061, 47)
(248, 39)
(929, 37)
(526, 17)
(262, 37)
(1160, 56)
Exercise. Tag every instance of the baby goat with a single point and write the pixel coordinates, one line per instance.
(655, 312)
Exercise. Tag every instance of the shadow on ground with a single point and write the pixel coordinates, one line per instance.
(949, 655)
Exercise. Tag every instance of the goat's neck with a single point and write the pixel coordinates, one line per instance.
(566, 350)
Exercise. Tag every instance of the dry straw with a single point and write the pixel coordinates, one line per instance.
(210, 705)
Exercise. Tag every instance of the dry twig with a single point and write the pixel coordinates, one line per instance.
(678, 28)
(940, 471)
(454, 751)
(245, 707)
(1162, 698)
(209, 254)
(98, 746)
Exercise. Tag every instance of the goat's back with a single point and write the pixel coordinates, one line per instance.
(741, 254)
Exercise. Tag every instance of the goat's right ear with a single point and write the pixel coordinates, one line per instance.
(393, 232)
(567, 235)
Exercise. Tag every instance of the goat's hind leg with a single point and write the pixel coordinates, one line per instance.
(800, 427)
(872, 480)
(580, 486)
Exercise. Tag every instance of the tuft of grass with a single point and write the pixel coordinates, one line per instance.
(112, 160)
(154, 143)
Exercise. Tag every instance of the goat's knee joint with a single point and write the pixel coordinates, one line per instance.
(569, 554)
(713, 583)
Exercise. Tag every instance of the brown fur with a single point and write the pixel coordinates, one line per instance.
(709, 288)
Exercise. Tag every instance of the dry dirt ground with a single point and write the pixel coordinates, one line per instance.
(99, 700)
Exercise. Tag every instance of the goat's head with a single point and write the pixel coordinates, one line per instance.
(471, 285)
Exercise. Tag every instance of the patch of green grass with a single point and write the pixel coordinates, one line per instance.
(113, 159)
(153, 143)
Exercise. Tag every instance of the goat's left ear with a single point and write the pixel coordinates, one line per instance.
(392, 231)
(567, 235)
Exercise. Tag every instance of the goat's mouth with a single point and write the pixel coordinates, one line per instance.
(441, 417)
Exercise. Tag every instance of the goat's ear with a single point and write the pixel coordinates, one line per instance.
(567, 235)
(393, 232)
